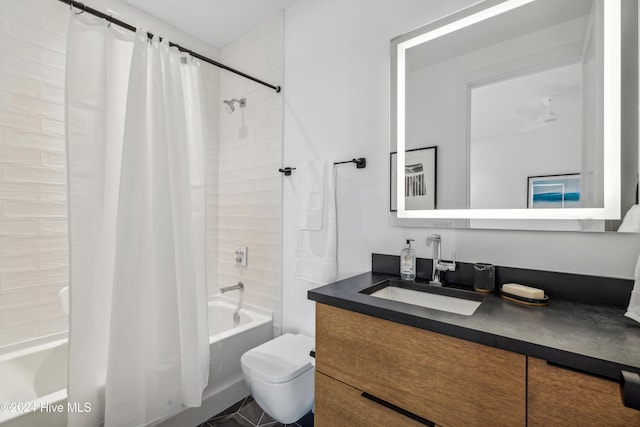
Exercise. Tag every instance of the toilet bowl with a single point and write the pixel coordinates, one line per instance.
(279, 374)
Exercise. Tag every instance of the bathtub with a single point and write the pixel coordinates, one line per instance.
(34, 379)
(34, 382)
(227, 344)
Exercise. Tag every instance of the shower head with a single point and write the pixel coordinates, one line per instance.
(230, 104)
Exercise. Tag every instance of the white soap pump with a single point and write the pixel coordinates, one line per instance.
(408, 262)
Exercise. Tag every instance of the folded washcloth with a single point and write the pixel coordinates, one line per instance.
(311, 189)
(633, 311)
(631, 221)
(317, 247)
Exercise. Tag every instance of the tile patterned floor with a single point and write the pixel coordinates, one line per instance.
(247, 413)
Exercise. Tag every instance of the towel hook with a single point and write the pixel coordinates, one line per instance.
(286, 171)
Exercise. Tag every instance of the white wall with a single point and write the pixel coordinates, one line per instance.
(500, 165)
(336, 106)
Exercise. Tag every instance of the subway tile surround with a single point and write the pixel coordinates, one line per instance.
(33, 209)
(250, 186)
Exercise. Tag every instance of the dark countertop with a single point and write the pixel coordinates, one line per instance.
(596, 339)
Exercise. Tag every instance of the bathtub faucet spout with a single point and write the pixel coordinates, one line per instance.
(239, 286)
(236, 313)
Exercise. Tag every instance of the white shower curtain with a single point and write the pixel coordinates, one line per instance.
(138, 339)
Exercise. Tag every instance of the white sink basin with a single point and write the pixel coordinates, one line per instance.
(432, 298)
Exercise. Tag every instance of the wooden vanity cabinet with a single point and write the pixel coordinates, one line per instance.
(561, 397)
(370, 371)
(338, 404)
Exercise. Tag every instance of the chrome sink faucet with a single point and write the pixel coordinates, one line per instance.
(439, 266)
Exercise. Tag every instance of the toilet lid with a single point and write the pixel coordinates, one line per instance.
(279, 360)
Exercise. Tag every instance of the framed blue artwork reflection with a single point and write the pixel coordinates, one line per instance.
(553, 191)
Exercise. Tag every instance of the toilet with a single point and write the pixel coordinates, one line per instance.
(279, 374)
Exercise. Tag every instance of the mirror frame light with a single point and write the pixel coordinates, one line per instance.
(611, 111)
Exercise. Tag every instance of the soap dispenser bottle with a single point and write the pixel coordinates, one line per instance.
(408, 262)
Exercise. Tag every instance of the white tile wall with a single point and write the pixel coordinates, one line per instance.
(33, 243)
(33, 225)
(250, 186)
(211, 85)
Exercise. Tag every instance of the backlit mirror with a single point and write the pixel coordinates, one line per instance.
(507, 114)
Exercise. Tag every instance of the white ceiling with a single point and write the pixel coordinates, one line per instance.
(217, 22)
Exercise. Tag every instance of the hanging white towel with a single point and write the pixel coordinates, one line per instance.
(631, 221)
(633, 311)
(311, 183)
(317, 249)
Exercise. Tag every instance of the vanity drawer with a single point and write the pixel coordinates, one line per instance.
(562, 397)
(338, 404)
(443, 379)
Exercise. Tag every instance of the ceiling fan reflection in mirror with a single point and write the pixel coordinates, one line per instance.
(540, 115)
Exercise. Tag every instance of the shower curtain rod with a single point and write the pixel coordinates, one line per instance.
(84, 8)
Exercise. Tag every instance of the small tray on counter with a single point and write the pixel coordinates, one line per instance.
(523, 300)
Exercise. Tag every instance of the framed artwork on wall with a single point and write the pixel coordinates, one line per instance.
(420, 175)
(553, 191)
